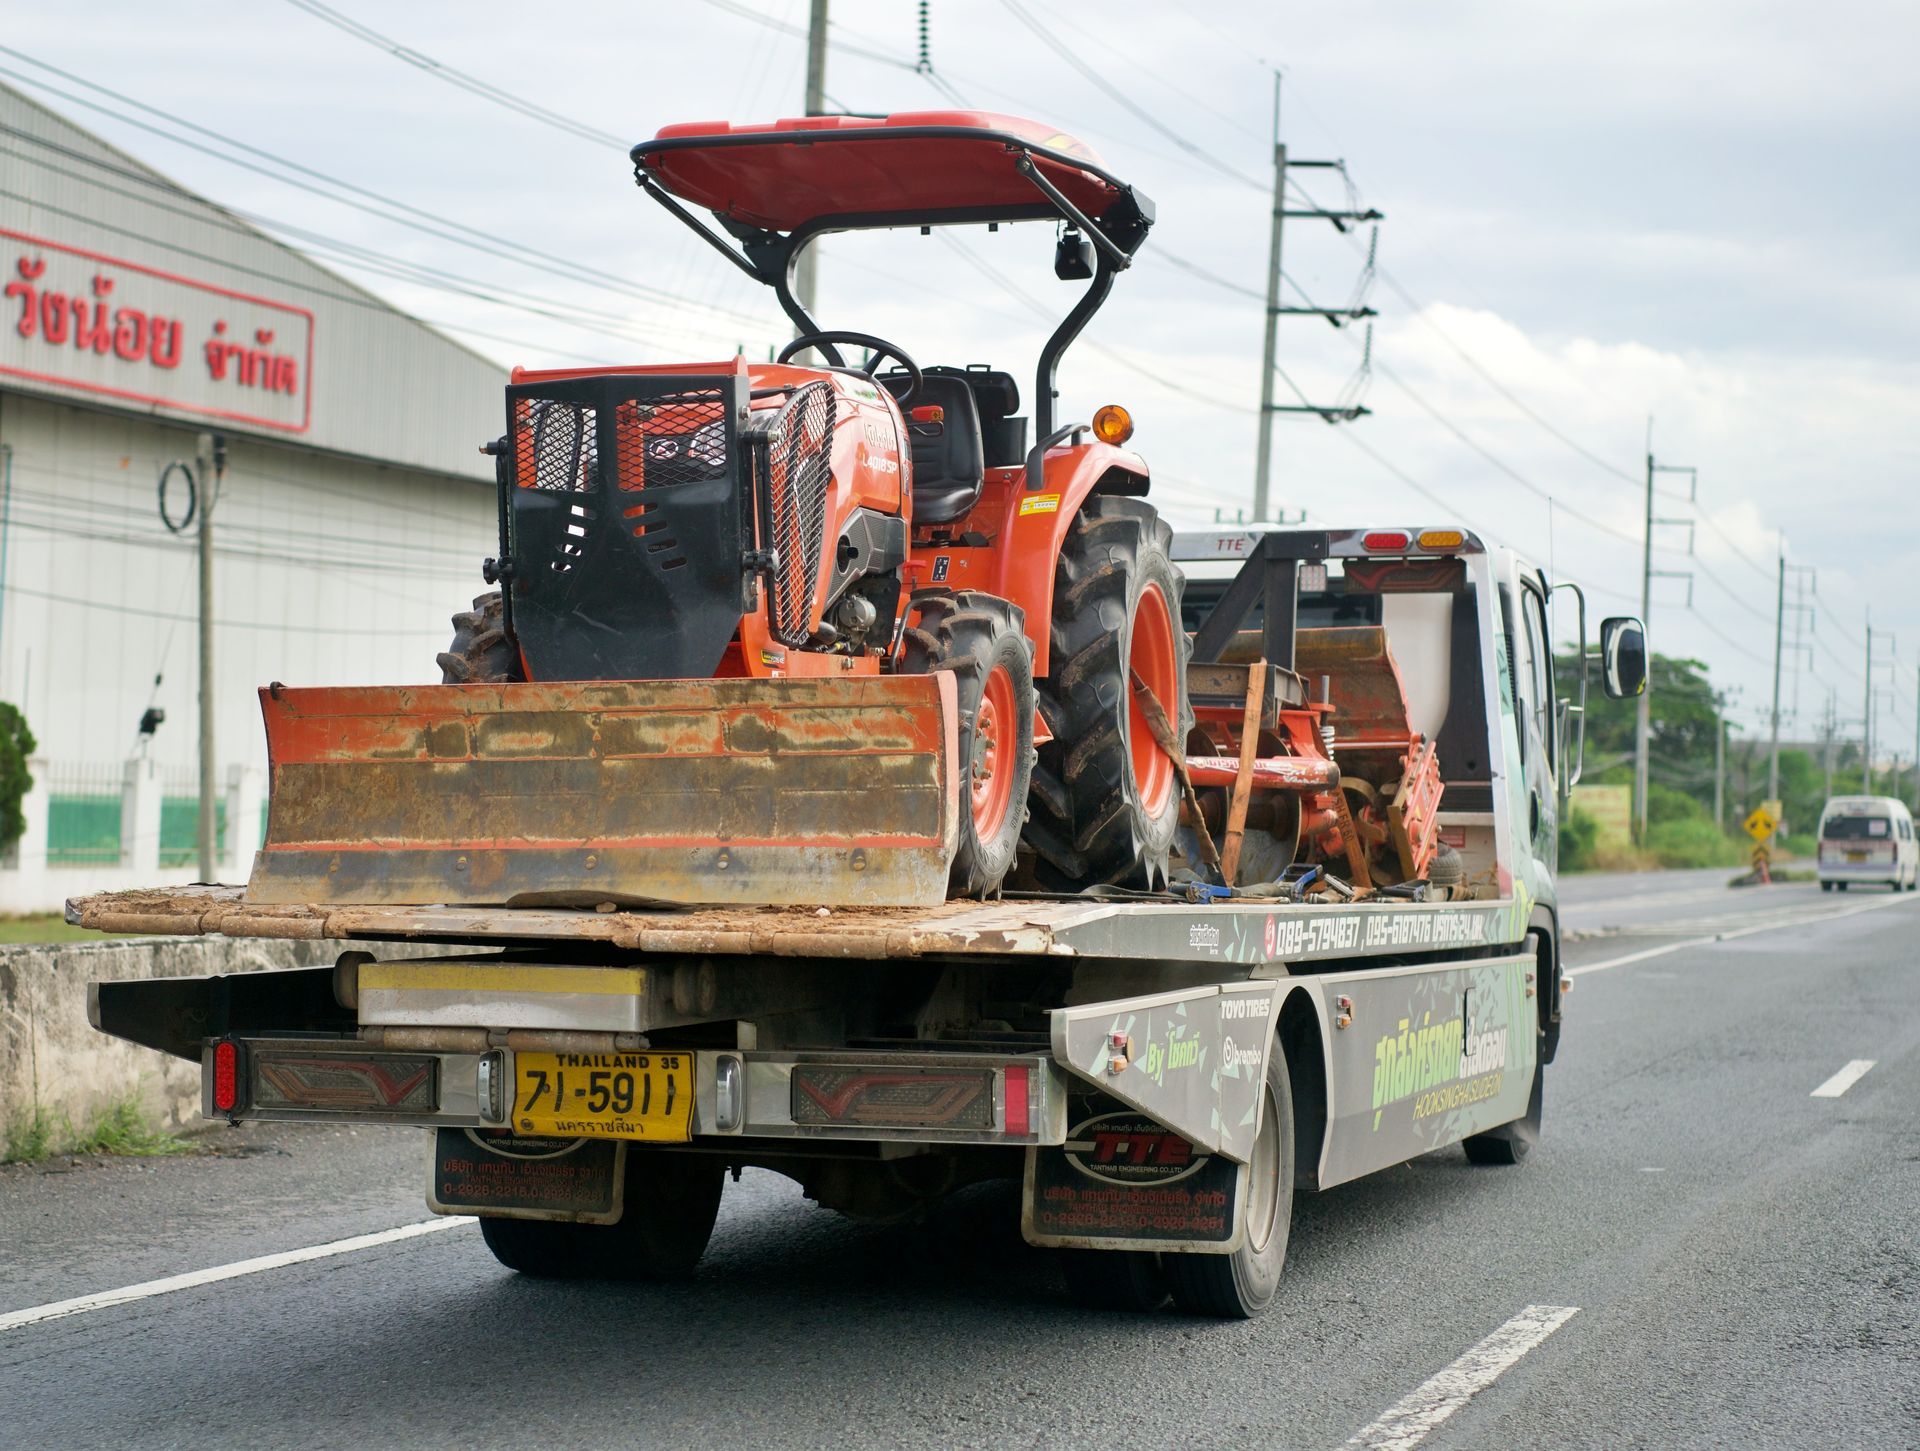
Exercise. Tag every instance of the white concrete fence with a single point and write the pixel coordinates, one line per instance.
(29, 882)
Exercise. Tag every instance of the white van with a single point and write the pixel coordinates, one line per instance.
(1867, 839)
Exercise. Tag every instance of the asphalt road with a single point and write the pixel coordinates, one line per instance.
(1742, 1259)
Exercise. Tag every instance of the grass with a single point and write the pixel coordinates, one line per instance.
(47, 927)
(30, 1138)
(122, 1127)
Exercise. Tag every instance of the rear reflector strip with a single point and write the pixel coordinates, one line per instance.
(1017, 1124)
(383, 1083)
(226, 1076)
(888, 1097)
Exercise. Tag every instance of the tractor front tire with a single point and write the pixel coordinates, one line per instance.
(480, 653)
(1106, 801)
(982, 640)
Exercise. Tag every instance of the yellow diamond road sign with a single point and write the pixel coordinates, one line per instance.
(1760, 824)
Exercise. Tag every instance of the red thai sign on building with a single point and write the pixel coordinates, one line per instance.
(80, 319)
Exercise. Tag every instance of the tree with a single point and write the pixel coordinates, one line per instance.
(16, 745)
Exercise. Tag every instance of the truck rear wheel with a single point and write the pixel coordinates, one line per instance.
(982, 639)
(1241, 1285)
(1106, 802)
(1109, 1279)
(671, 1202)
(480, 653)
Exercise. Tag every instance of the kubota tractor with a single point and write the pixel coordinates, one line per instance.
(788, 634)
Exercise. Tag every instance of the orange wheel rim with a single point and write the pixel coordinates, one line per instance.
(995, 731)
(1155, 661)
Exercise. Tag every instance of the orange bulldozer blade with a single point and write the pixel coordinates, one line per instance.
(766, 792)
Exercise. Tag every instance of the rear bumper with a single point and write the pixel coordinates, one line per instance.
(873, 1096)
(1859, 871)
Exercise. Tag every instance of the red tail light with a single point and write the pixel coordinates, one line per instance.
(1017, 1121)
(1386, 539)
(226, 1076)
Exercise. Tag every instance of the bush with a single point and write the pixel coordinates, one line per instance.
(1693, 843)
(1578, 834)
(16, 745)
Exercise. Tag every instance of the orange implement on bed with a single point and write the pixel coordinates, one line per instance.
(779, 792)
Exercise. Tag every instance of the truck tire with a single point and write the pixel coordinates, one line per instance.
(1105, 801)
(1114, 1279)
(671, 1201)
(982, 639)
(1508, 1144)
(1241, 1285)
(480, 653)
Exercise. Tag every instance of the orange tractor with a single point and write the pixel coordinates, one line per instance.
(777, 634)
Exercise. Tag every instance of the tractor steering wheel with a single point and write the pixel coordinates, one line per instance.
(877, 348)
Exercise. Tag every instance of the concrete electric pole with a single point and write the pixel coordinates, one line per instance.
(1866, 722)
(1779, 640)
(209, 467)
(1269, 350)
(1643, 715)
(806, 276)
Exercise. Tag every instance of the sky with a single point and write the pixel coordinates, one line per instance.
(1609, 227)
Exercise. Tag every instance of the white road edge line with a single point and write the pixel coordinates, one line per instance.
(36, 1314)
(1844, 1079)
(1729, 935)
(1413, 1418)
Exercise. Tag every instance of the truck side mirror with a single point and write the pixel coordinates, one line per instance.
(1623, 657)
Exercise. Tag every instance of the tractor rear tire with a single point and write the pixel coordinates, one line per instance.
(671, 1202)
(982, 640)
(1106, 801)
(480, 653)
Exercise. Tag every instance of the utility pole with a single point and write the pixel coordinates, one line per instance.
(209, 468)
(1866, 721)
(1263, 462)
(1643, 715)
(1338, 316)
(806, 275)
(1826, 740)
(1779, 640)
(1720, 771)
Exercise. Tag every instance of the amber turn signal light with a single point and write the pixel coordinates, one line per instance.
(1113, 424)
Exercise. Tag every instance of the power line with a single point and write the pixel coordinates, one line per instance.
(472, 84)
(1114, 93)
(340, 631)
(277, 167)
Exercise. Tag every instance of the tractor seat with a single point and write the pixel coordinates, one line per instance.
(948, 460)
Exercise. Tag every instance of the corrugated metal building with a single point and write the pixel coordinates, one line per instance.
(355, 507)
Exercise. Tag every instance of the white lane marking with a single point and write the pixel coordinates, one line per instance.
(1730, 935)
(35, 1314)
(1410, 1420)
(1844, 1079)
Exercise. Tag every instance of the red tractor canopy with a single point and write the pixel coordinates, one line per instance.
(775, 187)
(915, 168)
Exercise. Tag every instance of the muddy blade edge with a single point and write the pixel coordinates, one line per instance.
(775, 792)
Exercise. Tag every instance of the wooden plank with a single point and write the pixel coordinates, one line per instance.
(1243, 779)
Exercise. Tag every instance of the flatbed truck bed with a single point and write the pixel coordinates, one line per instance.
(1267, 935)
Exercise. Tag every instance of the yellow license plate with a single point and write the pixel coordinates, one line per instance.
(605, 1095)
(1856, 856)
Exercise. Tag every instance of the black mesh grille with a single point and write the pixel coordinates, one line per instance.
(556, 449)
(798, 474)
(663, 446)
(628, 524)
